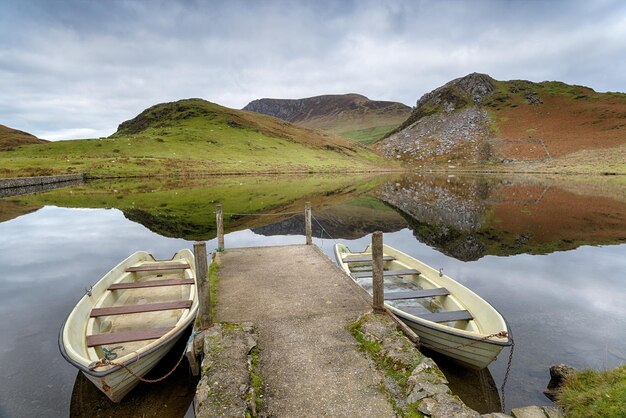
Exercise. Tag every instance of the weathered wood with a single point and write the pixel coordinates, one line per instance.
(146, 307)
(204, 292)
(159, 266)
(377, 272)
(307, 221)
(151, 283)
(193, 351)
(127, 336)
(449, 316)
(417, 294)
(362, 274)
(367, 259)
(219, 222)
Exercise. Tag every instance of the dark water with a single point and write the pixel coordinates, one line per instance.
(550, 254)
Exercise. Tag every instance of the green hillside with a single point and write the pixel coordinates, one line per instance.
(194, 136)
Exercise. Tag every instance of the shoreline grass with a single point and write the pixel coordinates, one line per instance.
(591, 393)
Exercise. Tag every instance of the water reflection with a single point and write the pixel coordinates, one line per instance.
(170, 398)
(561, 286)
(183, 208)
(353, 218)
(475, 387)
(465, 217)
(470, 217)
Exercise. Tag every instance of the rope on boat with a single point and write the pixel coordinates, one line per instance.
(106, 362)
(501, 334)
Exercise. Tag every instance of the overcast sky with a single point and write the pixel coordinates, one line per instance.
(76, 69)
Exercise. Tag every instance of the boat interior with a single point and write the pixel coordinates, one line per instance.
(144, 305)
(410, 288)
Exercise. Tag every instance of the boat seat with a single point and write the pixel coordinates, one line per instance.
(147, 307)
(416, 294)
(366, 259)
(127, 336)
(362, 274)
(448, 316)
(156, 267)
(151, 283)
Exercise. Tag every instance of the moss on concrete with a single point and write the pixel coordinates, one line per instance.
(410, 378)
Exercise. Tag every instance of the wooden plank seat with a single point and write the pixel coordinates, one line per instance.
(150, 283)
(147, 307)
(367, 259)
(127, 336)
(448, 316)
(361, 274)
(417, 294)
(156, 267)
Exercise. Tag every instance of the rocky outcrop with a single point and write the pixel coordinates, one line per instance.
(441, 135)
(446, 123)
(558, 374)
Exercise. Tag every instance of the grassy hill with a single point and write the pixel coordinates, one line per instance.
(192, 137)
(350, 115)
(12, 138)
(477, 120)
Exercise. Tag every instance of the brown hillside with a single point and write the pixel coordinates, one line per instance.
(11, 138)
(336, 112)
(568, 124)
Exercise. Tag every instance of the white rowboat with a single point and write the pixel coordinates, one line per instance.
(448, 317)
(132, 317)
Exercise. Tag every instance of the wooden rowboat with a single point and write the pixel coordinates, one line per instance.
(448, 317)
(132, 317)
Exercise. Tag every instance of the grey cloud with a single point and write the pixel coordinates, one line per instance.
(81, 67)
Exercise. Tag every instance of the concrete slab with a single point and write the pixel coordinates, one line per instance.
(301, 304)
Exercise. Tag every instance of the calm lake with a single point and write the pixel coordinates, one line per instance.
(548, 253)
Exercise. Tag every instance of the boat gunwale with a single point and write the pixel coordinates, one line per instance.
(471, 335)
(157, 344)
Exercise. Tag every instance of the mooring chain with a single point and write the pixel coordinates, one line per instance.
(106, 362)
(506, 374)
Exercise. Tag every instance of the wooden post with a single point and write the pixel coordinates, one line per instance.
(220, 228)
(307, 221)
(377, 272)
(202, 279)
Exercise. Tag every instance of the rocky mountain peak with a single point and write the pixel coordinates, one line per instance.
(458, 92)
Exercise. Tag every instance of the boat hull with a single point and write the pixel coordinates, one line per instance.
(475, 343)
(470, 352)
(119, 382)
(139, 294)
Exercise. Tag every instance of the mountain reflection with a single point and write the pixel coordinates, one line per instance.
(470, 217)
(465, 217)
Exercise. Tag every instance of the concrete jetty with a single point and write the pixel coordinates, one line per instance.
(301, 304)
